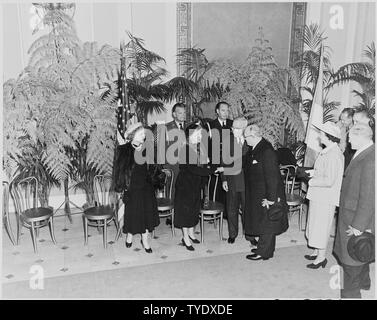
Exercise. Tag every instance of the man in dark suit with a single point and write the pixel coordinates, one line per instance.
(178, 123)
(233, 179)
(263, 187)
(217, 129)
(356, 209)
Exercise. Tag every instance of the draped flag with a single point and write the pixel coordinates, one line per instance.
(123, 116)
(123, 110)
(315, 118)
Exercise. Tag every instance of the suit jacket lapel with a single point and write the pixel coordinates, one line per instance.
(359, 157)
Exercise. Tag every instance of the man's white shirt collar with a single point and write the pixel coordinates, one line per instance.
(222, 122)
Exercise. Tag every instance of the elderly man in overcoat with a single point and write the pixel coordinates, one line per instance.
(263, 187)
(356, 210)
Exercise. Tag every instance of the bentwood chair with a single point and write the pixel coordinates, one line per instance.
(165, 205)
(104, 210)
(294, 201)
(30, 213)
(6, 219)
(212, 210)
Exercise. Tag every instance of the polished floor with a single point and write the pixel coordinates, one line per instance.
(73, 270)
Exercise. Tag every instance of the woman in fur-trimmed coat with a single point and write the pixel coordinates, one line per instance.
(134, 179)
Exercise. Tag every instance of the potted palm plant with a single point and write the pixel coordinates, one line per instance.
(362, 73)
(59, 99)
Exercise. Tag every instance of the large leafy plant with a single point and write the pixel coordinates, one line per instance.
(362, 73)
(194, 86)
(145, 74)
(257, 89)
(58, 98)
(308, 63)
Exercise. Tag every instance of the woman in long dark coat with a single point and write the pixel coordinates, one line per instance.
(187, 199)
(141, 215)
(263, 187)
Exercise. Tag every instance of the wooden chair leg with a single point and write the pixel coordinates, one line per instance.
(37, 232)
(119, 232)
(85, 222)
(33, 238)
(172, 223)
(19, 227)
(51, 227)
(8, 229)
(221, 226)
(105, 233)
(301, 217)
(202, 227)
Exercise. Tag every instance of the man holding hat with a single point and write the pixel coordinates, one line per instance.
(356, 214)
(264, 189)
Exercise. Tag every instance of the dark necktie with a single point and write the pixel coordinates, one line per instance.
(181, 126)
(224, 124)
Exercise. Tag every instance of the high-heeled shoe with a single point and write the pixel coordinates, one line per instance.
(318, 265)
(128, 244)
(149, 250)
(194, 240)
(309, 257)
(190, 248)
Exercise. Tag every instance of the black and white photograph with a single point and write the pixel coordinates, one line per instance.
(188, 151)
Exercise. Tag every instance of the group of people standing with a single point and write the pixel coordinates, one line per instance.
(343, 176)
(257, 175)
(256, 186)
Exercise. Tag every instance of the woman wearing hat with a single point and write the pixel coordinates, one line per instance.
(323, 193)
(141, 215)
(188, 185)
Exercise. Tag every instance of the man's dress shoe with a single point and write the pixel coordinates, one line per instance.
(254, 242)
(231, 240)
(255, 257)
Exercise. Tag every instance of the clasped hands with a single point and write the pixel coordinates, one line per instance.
(267, 204)
(352, 231)
(219, 170)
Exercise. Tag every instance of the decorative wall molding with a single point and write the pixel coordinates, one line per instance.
(184, 29)
(296, 46)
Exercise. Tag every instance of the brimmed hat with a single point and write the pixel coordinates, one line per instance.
(132, 128)
(239, 123)
(361, 248)
(330, 128)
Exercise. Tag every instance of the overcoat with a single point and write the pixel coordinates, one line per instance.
(262, 181)
(140, 212)
(357, 205)
(187, 201)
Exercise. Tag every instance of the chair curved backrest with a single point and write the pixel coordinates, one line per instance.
(214, 189)
(25, 194)
(168, 186)
(300, 154)
(289, 174)
(103, 195)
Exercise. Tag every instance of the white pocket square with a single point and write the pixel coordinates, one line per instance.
(255, 161)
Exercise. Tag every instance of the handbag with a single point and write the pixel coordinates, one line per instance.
(276, 211)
